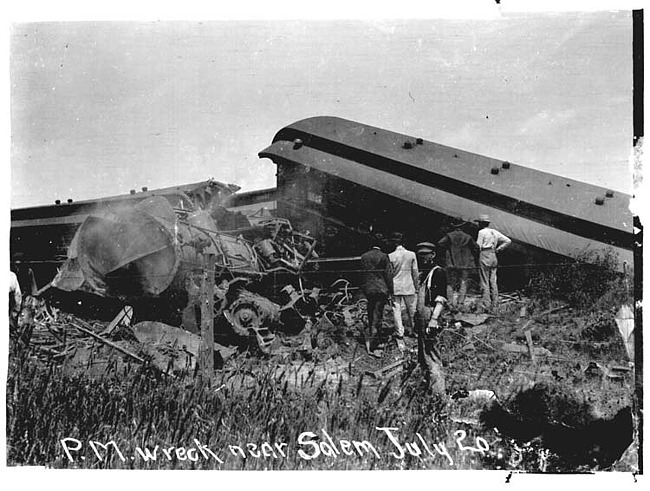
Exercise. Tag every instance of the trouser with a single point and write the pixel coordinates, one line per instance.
(410, 303)
(455, 276)
(428, 357)
(376, 304)
(488, 277)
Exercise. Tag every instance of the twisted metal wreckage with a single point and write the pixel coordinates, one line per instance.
(155, 248)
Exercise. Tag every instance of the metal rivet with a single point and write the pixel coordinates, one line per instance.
(506, 165)
(297, 143)
(57, 202)
(609, 193)
(69, 200)
(407, 145)
(495, 170)
(132, 191)
(145, 188)
(419, 141)
(600, 200)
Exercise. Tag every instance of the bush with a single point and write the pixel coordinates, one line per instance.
(589, 281)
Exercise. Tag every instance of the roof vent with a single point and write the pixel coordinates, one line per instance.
(297, 143)
(600, 200)
(145, 189)
(609, 193)
(495, 170)
(419, 141)
(132, 191)
(506, 165)
(407, 145)
(57, 202)
(69, 200)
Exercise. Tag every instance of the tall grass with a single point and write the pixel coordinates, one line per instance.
(143, 408)
(591, 281)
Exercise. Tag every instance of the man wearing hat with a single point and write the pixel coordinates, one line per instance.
(405, 286)
(431, 303)
(377, 288)
(490, 242)
(460, 249)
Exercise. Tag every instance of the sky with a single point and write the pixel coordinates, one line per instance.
(99, 108)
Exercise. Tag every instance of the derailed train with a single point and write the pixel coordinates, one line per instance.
(149, 250)
(337, 179)
(341, 178)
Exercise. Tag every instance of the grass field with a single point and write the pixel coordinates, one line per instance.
(322, 411)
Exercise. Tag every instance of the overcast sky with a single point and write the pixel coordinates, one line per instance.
(98, 108)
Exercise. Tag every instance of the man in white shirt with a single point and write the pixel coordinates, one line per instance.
(490, 242)
(15, 298)
(405, 286)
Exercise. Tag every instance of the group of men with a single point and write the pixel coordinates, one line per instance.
(420, 285)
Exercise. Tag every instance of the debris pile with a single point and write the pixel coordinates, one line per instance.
(152, 252)
(331, 325)
(99, 349)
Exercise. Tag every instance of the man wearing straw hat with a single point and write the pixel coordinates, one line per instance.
(460, 249)
(490, 242)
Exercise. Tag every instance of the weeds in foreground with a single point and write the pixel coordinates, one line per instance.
(229, 417)
(591, 281)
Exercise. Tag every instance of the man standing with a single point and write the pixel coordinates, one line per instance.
(405, 286)
(431, 303)
(15, 299)
(460, 249)
(490, 242)
(377, 287)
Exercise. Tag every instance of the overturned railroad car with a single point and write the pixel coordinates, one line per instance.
(342, 180)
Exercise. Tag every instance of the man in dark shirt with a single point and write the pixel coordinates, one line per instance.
(459, 248)
(431, 302)
(377, 287)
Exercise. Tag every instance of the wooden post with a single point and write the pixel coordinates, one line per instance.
(531, 348)
(206, 350)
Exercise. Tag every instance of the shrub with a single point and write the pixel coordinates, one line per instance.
(589, 281)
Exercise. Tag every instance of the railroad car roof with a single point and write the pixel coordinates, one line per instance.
(460, 171)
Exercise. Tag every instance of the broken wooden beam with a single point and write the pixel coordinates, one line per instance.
(123, 318)
(531, 349)
(517, 348)
(387, 369)
(107, 342)
(540, 315)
